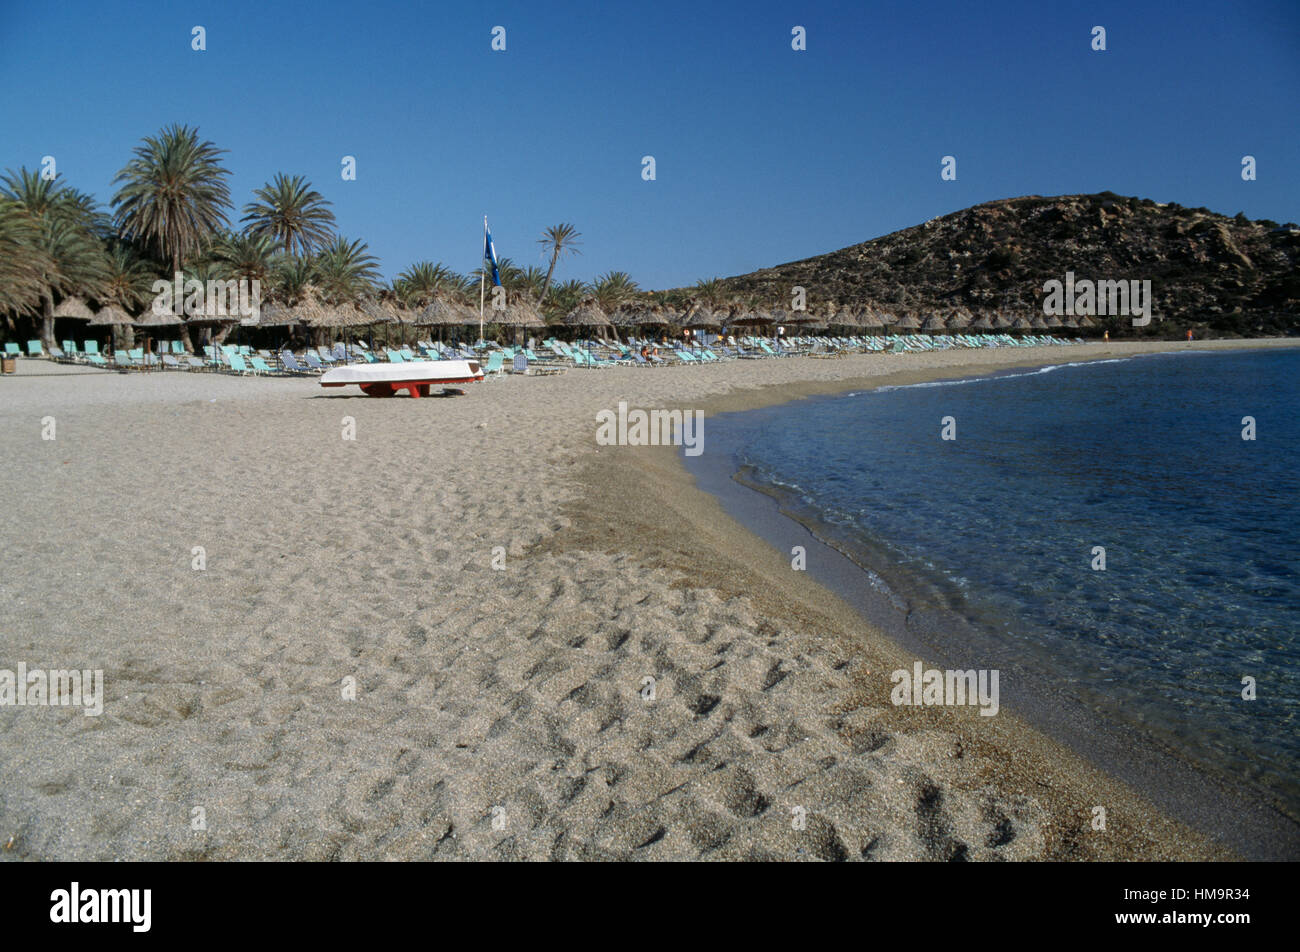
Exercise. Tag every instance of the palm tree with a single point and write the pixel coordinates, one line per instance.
(291, 278)
(174, 196)
(249, 258)
(709, 291)
(566, 297)
(612, 289)
(246, 257)
(418, 284)
(128, 281)
(559, 239)
(292, 213)
(532, 280)
(22, 263)
(511, 276)
(346, 271)
(61, 229)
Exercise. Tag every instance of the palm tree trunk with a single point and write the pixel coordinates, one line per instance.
(185, 327)
(47, 322)
(546, 285)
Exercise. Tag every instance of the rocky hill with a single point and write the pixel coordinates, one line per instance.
(1231, 275)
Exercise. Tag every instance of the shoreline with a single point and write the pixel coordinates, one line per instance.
(499, 587)
(755, 522)
(1249, 817)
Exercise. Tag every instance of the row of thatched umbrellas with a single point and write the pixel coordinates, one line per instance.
(310, 312)
(704, 318)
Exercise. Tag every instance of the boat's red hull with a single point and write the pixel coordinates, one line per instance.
(416, 388)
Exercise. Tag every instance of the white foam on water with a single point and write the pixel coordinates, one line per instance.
(1049, 368)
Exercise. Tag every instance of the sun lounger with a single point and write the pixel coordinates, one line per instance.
(290, 363)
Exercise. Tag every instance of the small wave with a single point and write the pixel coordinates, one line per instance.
(965, 380)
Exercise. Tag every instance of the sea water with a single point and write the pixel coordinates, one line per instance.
(1150, 459)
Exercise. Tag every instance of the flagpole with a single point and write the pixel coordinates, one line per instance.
(481, 276)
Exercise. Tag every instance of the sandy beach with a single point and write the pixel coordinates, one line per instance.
(499, 711)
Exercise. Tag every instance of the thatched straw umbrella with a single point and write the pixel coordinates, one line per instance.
(1001, 321)
(275, 314)
(157, 317)
(754, 318)
(844, 318)
(522, 314)
(337, 317)
(74, 308)
(985, 323)
(800, 317)
(1052, 321)
(934, 324)
(959, 319)
(382, 310)
(654, 317)
(1021, 324)
(705, 319)
(110, 315)
(869, 317)
(587, 314)
(1038, 323)
(908, 322)
(469, 317)
(440, 312)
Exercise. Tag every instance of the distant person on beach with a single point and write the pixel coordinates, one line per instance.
(1189, 333)
(1105, 335)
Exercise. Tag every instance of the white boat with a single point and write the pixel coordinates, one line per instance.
(413, 376)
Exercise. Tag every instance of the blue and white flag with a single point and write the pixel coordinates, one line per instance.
(490, 254)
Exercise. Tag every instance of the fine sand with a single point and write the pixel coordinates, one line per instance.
(498, 713)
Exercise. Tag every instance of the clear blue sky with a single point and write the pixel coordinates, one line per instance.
(764, 154)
